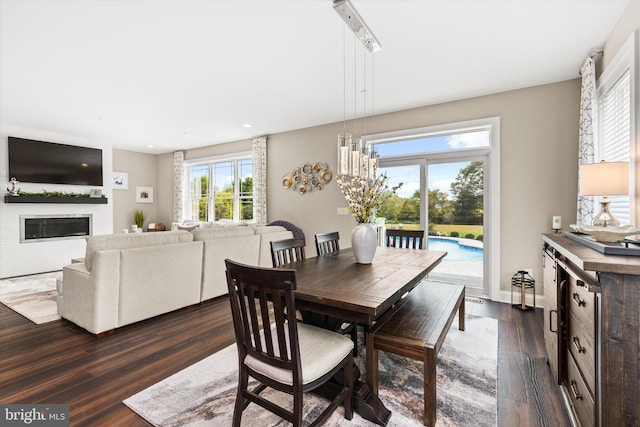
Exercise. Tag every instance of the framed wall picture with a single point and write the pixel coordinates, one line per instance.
(95, 193)
(120, 181)
(144, 194)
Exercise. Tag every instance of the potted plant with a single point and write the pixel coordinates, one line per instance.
(139, 217)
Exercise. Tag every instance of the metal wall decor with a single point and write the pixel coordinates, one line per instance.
(307, 177)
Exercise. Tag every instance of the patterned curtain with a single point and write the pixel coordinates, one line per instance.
(585, 138)
(259, 159)
(178, 188)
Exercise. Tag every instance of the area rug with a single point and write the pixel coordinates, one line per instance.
(32, 296)
(204, 393)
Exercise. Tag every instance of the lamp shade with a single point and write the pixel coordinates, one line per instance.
(604, 179)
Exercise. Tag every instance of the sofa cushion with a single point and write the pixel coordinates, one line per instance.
(158, 279)
(267, 229)
(132, 240)
(221, 233)
(244, 249)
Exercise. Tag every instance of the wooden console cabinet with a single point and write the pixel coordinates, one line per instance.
(591, 318)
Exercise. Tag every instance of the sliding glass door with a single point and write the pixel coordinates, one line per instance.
(450, 189)
(455, 212)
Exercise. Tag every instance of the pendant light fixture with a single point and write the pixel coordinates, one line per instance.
(355, 157)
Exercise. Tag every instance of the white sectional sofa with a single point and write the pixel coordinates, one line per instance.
(126, 278)
(248, 245)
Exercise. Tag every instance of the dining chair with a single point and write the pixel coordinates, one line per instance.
(327, 243)
(286, 251)
(405, 238)
(285, 355)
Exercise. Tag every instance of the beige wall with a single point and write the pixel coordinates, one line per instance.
(538, 163)
(142, 171)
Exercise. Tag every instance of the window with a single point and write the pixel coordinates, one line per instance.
(220, 189)
(615, 126)
(433, 143)
(429, 162)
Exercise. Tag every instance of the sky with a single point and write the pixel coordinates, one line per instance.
(440, 176)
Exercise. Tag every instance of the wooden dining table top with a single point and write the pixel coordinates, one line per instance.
(336, 285)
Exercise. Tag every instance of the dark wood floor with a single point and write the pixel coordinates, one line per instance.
(58, 362)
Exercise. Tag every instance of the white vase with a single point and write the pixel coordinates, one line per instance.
(364, 241)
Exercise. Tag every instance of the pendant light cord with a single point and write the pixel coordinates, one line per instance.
(344, 80)
(355, 89)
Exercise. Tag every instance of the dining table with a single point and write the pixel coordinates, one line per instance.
(338, 287)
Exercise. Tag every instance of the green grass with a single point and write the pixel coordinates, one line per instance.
(446, 229)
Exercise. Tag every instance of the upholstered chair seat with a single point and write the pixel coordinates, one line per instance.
(320, 351)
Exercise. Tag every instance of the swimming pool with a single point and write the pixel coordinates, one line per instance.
(455, 251)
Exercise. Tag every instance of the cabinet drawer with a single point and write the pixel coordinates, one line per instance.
(582, 304)
(579, 396)
(582, 347)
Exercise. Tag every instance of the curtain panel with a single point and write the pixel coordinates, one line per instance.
(178, 187)
(259, 159)
(586, 211)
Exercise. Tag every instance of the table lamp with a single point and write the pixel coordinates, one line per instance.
(604, 179)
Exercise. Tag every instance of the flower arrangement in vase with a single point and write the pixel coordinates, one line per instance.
(364, 197)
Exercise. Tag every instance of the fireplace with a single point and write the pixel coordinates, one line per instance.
(38, 228)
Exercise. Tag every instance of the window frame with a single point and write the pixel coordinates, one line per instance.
(626, 60)
(491, 155)
(236, 158)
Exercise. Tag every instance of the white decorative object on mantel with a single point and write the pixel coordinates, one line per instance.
(13, 190)
(364, 241)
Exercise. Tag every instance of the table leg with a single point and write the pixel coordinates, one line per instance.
(365, 402)
(365, 395)
(368, 405)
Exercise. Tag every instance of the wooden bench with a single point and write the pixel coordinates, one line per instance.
(417, 329)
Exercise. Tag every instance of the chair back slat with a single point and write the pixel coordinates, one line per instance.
(260, 300)
(327, 243)
(413, 239)
(286, 251)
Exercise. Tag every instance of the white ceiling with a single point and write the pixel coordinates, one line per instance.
(184, 74)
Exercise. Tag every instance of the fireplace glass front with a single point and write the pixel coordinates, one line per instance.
(38, 228)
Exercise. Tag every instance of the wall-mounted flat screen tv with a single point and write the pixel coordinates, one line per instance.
(51, 163)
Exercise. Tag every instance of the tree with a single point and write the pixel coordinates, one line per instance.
(203, 203)
(439, 205)
(246, 198)
(391, 209)
(410, 209)
(468, 190)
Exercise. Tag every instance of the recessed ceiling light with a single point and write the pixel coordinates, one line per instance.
(246, 125)
(149, 146)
